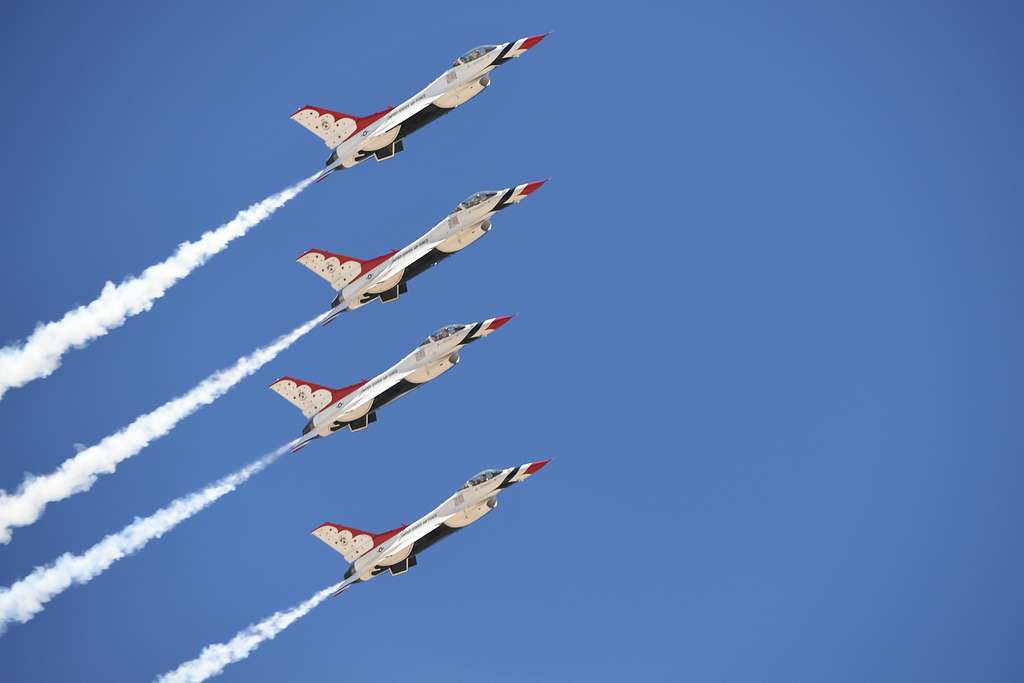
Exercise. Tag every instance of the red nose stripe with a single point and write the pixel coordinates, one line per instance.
(498, 322)
(532, 187)
(536, 466)
(531, 41)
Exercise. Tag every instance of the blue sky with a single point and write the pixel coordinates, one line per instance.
(768, 331)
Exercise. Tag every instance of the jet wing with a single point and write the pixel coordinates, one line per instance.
(372, 390)
(410, 538)
(408, 258)
(404, 113)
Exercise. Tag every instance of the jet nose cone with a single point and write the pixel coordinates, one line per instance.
(532, 187)
(495, 323)
(532, 40)
(535, 467)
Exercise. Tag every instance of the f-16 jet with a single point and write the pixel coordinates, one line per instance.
(330, 410)
(395, 551)
(385, 277)
(353, 139)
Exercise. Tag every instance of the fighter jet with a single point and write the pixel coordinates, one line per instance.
(359, 282)
(355, 138)
(330, 410)
(395, 551)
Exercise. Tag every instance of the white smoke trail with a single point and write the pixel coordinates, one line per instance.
(40, 354)
(214, 658)
(27, 597)
(79, 473)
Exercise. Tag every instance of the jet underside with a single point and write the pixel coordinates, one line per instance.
(431, 112)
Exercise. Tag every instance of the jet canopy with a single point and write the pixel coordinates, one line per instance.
(475, 199)
(481, 478)
(475, 53)
(442, 333)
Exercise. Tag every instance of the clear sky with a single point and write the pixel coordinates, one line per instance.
(769, 331)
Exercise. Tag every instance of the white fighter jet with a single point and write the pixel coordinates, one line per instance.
(356, 138)
(359, 282)
(330, 410)
(396, 550)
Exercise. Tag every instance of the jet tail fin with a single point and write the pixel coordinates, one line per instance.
(333, 127)
(309, 397)
(349, 541)
(338, 269)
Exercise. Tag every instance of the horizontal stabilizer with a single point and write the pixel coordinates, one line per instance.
(338, 269)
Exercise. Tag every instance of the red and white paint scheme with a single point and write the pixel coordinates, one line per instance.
(330, 410)
(359, 282)
(395, 551)
(356, 138)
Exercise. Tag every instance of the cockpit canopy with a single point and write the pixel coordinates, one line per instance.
(481, 478)
(442, 333)
(475, 53)
(475, 199)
